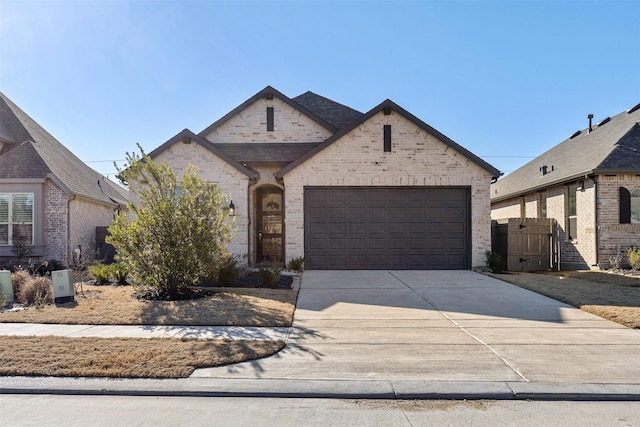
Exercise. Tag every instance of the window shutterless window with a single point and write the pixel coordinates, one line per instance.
(16, 218)
(543, 205)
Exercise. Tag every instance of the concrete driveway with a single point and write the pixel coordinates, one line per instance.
(441, 326)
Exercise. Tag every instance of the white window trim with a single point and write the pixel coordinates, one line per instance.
(10, 221)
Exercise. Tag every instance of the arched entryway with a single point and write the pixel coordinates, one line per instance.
(269, 224)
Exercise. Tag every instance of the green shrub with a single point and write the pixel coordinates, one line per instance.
(633, 255)
(37, 291)
(49, 266)
(228, 273)
(119, 273)
(269, 276)
(176, 232)
(101, 273)
(296, 264)
(495, 262)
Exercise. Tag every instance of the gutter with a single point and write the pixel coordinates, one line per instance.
(548, 184)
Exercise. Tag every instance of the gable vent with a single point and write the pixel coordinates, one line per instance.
(576, 133)
(604, 121)
(632, 109)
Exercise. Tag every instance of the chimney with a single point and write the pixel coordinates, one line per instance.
(590, 117)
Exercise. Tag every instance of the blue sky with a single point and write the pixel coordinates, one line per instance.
(505, 79)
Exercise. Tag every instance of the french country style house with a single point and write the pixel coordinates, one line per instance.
(589, 184)
(313, 178)
(50, 201)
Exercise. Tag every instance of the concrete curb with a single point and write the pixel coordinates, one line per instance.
(326, 389)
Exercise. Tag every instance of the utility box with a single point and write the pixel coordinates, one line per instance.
(63, 290)
(5, 285)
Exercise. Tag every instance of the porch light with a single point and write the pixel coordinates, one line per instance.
(232, 209)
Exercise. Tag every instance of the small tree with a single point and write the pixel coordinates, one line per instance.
(177, 231)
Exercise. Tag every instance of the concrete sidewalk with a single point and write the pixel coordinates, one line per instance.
(250, 333)
(411, 335)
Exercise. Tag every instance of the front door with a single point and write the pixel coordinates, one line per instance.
(270, 226)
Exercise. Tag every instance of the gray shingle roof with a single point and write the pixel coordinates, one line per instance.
(266, 152)
(612, 147)
(337, 114)
(34, 153)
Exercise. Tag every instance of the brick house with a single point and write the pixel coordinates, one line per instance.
(50, 201)
(311, 177)
(589, 183)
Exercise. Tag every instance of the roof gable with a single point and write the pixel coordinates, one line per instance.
(43, 154)
(189, 137)
(388, 106)
(607, 148)
(267, 93)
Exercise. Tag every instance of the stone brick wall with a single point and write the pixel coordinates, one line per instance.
(577, 254)
(417, 159)
(250, 126)
(85, 216)
(613, 236)
(229, 180)
(55, 222)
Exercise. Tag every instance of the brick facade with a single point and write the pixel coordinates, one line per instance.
(85, 216)
(250, 125)
(229, 180)
(599, 232)
(357, 158)
(55, 222)
(417, 159)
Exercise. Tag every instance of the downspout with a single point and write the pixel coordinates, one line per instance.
(249, 254)
(596, 227)
(70, 198)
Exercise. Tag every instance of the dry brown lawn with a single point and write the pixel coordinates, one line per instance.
(115, 305)
(612, 296)
(144, 358)
(123, 357)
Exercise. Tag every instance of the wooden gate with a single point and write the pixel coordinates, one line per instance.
(527, 244)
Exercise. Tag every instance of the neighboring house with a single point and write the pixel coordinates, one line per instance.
(311, 177)
(590, 184)
(50, 201)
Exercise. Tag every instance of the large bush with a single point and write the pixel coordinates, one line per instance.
(177, 230)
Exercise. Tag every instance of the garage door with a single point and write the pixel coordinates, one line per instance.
(352, 228)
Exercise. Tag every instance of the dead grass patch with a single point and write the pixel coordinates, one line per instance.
(123, 357)
(115, 305)
(612, 296)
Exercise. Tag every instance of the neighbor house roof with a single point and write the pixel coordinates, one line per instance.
(612, 146)
(31, 152)
(390, 105)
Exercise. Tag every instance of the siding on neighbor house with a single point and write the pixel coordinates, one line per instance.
(250, 125)
(230, 180)
(416, 159)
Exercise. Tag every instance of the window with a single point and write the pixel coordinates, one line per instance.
(269, 119)
(635, 207)
(543, 205)
(387, 138)
(16, 218)
(523, 208)
(572, 218)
